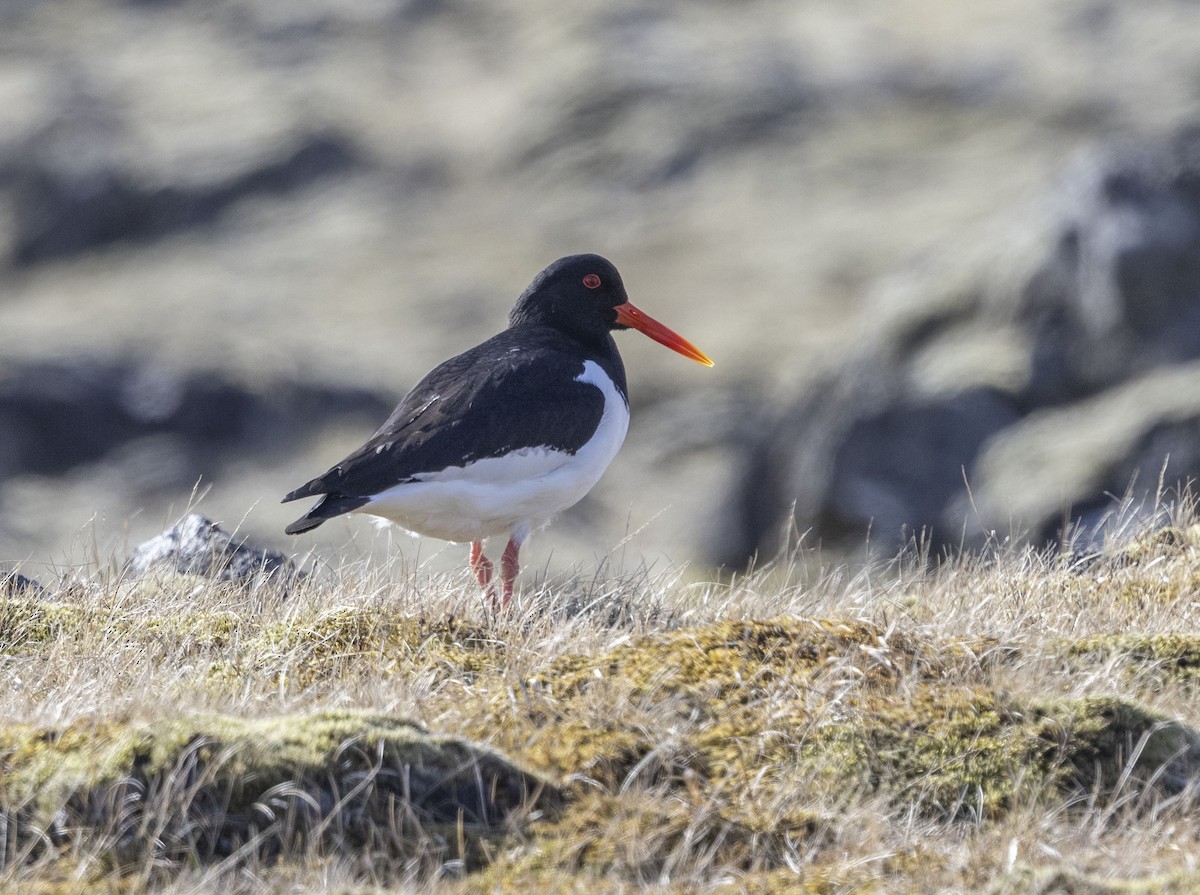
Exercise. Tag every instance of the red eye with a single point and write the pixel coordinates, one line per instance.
(591, 281)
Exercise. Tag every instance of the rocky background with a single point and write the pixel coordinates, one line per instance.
(927, 245)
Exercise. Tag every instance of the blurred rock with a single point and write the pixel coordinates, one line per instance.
(14, 584)
(656, 116)
(1119, 290)
(71, 194)
(1082, 454)
(973, 411)
(348, 193)
(199, 546)
(56, 415)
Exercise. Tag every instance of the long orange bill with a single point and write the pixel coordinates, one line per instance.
(628, 315)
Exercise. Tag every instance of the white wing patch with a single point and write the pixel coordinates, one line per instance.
(514, 494)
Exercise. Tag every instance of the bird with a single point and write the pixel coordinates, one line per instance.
(505, 436)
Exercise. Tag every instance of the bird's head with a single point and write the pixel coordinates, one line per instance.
(584, 296)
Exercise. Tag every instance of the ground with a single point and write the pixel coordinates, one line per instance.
(1020, 723)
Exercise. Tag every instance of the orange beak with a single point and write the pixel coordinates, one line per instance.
(628, 315)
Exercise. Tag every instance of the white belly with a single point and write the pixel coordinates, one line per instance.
(514, 494)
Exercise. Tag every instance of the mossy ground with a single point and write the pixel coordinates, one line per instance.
(1016, 724)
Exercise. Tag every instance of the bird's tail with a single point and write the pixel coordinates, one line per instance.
(327, 507)
(303, 524)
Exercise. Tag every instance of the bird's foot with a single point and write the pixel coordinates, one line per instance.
(483, 569)
(508, 571)
(485, 572)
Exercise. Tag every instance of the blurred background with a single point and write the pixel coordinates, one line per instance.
(945, 256)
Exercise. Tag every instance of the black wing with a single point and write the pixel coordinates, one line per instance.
(506, 394)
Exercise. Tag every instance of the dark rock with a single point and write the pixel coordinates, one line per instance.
(1118, 444)
(858, 455)
(643, 123)
(1119, 290)
(14, 584)
(55, 415)
(974, 413)
(198, 546)
(71, 194)
(900, 467)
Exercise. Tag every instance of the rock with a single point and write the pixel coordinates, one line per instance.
(1080, 454)
(73, 187)
(1119, 290)
(55, 415)
(655, 116)
(14, 584)
(984, 406)
(199, 546)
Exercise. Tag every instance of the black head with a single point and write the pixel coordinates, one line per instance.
(578, 294)
(583, 296)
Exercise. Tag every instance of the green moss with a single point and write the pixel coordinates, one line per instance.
(207, 786)
(712, 745)
(655, 837)
(328, 645)
(1168, 541)
(308, 648)
(1160, 567)
(716, 751)
(1062, 881)
(1160, 589)
(26, 624)
(836, 704)
(1159, 657)
(1101, 740)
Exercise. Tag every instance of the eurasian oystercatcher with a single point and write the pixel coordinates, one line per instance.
(508, 434)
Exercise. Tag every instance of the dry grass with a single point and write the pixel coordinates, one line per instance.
(1020, 723)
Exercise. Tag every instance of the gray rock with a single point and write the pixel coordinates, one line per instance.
(56, 415)
(1082, 454)
(1119, 290)
(14, 584)
(199, 546)
(974, 411)
(656, 116)
(65, 208)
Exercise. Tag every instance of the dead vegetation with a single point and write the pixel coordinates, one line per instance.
(1021, 723)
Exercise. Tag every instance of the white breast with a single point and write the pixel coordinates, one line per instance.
(517, 493)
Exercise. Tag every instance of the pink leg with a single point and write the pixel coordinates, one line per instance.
(482, 567)
(508, 570)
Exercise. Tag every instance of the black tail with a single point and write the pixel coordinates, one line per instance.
(303, 524)
(327, 507)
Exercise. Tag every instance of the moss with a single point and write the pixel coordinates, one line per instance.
(1102, 740)
(711, 747)
(732, 654)
(1159, 567)
(1065, 881)
(207, 786)
(1168, 541)
(838, 705)
(652, 838)
(716, 752)
(26, 624)
(1160, 589)
(1162, 657)
(327, 645)
(309, 648)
